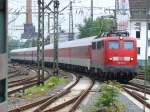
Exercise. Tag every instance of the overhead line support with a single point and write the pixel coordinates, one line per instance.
(55, 51)
(40, 42)
(71, 34)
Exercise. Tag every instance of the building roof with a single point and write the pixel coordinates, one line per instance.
(139, 8)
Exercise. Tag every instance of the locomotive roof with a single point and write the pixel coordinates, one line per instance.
(74, 43)
(113, 38)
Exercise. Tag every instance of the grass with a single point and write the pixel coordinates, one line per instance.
(42, 90)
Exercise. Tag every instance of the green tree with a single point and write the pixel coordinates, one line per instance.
(27, 44)
(34, 42)
(30, 43)
(13, 44)
(96, 27)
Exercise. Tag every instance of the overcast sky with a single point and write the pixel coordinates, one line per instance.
(80, 11)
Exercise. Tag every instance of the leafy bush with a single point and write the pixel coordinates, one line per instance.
(108, 99)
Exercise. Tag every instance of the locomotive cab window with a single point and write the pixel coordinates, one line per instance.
(128, 45)
(113, 45)
(94, 45)
(2, 90)
(100, 45)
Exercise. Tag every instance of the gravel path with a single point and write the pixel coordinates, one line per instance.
(131, 107)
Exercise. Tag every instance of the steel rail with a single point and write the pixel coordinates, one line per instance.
(51, 100)
(43, 101)
(139, 98)
(31, 84)
(78, 101)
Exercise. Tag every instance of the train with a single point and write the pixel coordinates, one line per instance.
(111, 55)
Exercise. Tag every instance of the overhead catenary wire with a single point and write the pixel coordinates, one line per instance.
(47, 6)
(64, 8)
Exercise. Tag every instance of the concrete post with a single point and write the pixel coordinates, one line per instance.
(3, 55)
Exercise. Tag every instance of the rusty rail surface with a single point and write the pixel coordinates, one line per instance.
(29, 105)
(82, 96)
(51, 100)
(140, 77)
(139, 98)
(23, 82)
(75, 101)
(60, 106)
(17, 73)
(137, 89)
(27, 84)
(139, 86)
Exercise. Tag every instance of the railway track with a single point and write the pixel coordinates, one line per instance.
(11, 69)
(140, 77)
(14, 73)
(67, 99)
(137, 91)
(22, 77)
(23, 84)
(18, 72)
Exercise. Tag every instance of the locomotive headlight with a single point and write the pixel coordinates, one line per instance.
(110, 59)
(121, 38)
(131, 59)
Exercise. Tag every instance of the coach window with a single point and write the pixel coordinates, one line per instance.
(128, 45)
(139, 50)
(94, 45)
(98, 45)
(2, 90)
(137, 34)
(113, 45)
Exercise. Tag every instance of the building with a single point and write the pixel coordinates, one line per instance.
(137, 27)
(123, 14)
(3, 56)
(29, 28)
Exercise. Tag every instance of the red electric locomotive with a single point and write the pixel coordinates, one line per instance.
(115, 55)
